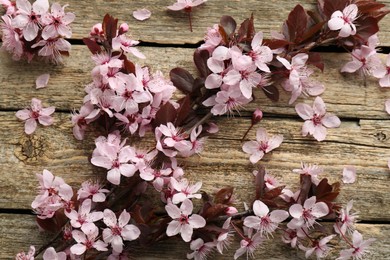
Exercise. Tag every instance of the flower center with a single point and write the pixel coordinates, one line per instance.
(116, 231)
(183, 219)
(317, 119)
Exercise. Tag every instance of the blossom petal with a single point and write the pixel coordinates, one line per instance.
(278, 216)
(304, 111)
(173, 211)
(45, 120)
(197, 221)
(142, 14)
(336, 23)
(319, 133)
(124, 218)
(130, 232)
(186, 232)
(319, 107)
(260, 209)
(173, 228)
(331, 121)
(320, 209)
(387, 106)
(252, 222)
(30, 126)
(42, 81)
(78, 249)
(23, 114)
(257, 156)
(296, 210)
(186, 207)
(349, 174)
(109, 218)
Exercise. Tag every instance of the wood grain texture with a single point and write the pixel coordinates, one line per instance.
(171, 27)
(221, 164)
(19, 231)
(345, 95)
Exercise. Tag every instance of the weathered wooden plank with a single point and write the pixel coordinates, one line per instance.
(222, 163)
(345, 95)
(18, 232)
(166, 26)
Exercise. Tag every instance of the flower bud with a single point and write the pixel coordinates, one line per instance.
(231, 211)
(96, 30)
(257, 116)
(124, 28)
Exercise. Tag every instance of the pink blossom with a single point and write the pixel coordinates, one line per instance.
(57, 22)
(158, 176)
(92, 190)
(292, 236)
(260, 54)
(142, 14)
(298, 62)
(344, 21)
(122, 42)
(87, 239)
(383, 73)
(84, 216)
(10, 6)
(364, 60)
(212, 38)
(346, 220)
(34, 113)
(196, 143)
(316, 119)
(249, 245)
(11, 38)
(265, 222)
(224, 238)
(185, 4)
(263, 144)
(312, 170)
(170, 140)
(52, 48)
(42, 81)
(81, 119)
(28, 17)
(308, 213)
(349, 174)
(118, 230)
(201, 249)
(359, 249)
(183, 222)
(51, 254)
(320, 247)
(22, 255)
(185, 190)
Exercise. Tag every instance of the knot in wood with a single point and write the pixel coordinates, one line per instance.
(380, 136)
(30, 148)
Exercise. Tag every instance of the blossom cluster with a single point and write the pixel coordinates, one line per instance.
(36, 30)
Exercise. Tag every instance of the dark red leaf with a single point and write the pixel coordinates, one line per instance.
(271, 92)
(274, 193)
(166, 113)
(305, 188)
(312, 31)
(183, 111)
(331, 6)
(368, 26)
(129, 67)
(270, 203)
(182, 79)
(247, 30)
(326, 192)
(109, 27)
(92, 46)
(48, 224)
(200, 59)
(275, 43)
(223, 196)
(316, 60)
(297, 23)
(225, 37)
(214, 211)
(228, 24)
(367, 7)
(259, 182)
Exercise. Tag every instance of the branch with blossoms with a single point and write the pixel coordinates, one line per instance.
(109, 217)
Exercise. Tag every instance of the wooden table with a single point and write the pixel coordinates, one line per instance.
(362, 140)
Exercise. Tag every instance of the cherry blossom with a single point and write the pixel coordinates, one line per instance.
(84, 216)
(11, 38)
(349, 174)
(261, 55)
(34, 113)
(183, 222)
(344, 21)
(308, 213)
(201, 249)
(346, 220)
(316, 119)
(264, 221)
(158, 176)
(23, 256)
(249, 245)
(29, 17)
(9, 6)
(92, 190)
(185, 190)
(81, 119)
(168, 137)
(52, 48)
(320, 248)
(57, 22)
(359, 247)
(364, 60)
(87, 239)
(142, 14)
(224, 238)
(263, 144)
(312, 170)
(122, 42)
(185, 4)
(42, 80)
(118, 229)
(51, 254)
(383, 73)
(212, 38)
(292, 236)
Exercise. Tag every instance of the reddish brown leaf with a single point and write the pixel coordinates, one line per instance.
(259, 182)
(271, 92)
(200, 59)
(331, 6)
(222, 32)
(128, 66)
(92, 46)
(312, 31)
(305, 188)
(109, 27)
(182, 79)
(297, 23)
(167, 113)
(246, 30)
(223, 196)
(368, 26)
(214, 211)
(274, 193)
(316, 60)
(228, 24)
(183, 111)
(275, 44)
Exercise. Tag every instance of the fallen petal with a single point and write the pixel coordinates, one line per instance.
(142, 14)
(42, 81)
(349, 174)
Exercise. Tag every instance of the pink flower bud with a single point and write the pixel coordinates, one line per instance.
(97, 29)
(123, 28)
(257, 116)
(231, 211)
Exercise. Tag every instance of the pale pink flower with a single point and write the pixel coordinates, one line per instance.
(249, 245)
(263, 144)
(261, 55)
(185, 190)
(264, 221)
(316, 119)
(359, 249)
(211, 39)
(292, 236)
(52, 48)
(81, 119)
(346, 220)
(34, 113)
(184, 222)
(298, 63)
(312, 170)
(142, 14)
(92, 190)
(364, 60)
(196, 143)
(185, 4)
(321, 249)
(83, 216)
(383, 73)
(344, 21)
(23, 256)
(42, 80)
(87, 239)
(118, 229)
(57, 22)
(122, 42)
(28, 17)
(224, 238)
(51, 254)
(158, 176)
(169, 138)
(308, 213)
(201, 249)
(349, 174)
(11, 38)
(10, 6)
